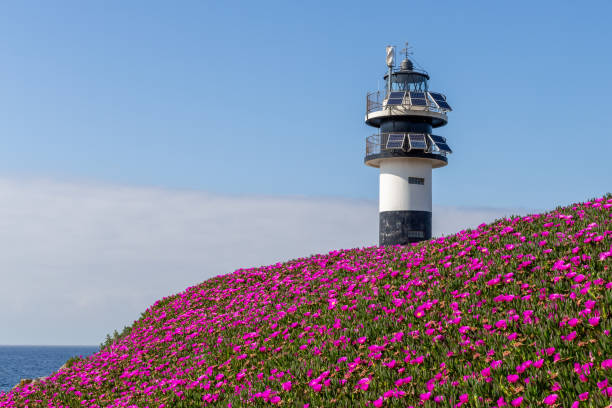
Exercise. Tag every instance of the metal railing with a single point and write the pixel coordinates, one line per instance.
(373, 144)
(375, 101)
(376, 143)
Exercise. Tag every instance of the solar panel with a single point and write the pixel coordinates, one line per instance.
(444, 147)
(440, 100)
(395, 141)
(395, 145)
(417, 141)
(396, 98)
(444, 105)
(437, 96)
(418, 99)
(440, 142)
(437, 139)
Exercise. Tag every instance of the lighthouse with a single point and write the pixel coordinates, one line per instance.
(405, 149)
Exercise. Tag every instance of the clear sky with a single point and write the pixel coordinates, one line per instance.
(149, 145)
(269, 97)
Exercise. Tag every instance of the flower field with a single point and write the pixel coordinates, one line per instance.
(511, 314)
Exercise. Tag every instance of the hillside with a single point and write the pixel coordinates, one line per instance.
(515, 313)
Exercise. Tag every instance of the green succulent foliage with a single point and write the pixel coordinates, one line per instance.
(445, 322)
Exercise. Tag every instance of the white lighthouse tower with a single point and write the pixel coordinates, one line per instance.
(405, 149)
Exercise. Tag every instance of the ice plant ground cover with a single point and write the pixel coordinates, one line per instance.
(511, 314)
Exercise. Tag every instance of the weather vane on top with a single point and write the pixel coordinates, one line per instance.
(407, 50)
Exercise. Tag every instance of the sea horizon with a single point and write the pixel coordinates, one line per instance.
(21, 361)
(49, 345)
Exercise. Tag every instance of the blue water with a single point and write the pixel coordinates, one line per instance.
(17, 362)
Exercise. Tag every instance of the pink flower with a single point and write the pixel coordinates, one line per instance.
(513, 378)
(425, 396)
(275, 399)
(403, 381)
(594, 321)
(287, 386)
(584, 396)
(316, 386)
(493, 281)
(390, 364)
(464, 398)
(363, 384)
(606, 364)
(417, 360)
(517, 402)
(378, 403)
(551, 399)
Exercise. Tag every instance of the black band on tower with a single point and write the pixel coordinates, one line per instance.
(404, 227)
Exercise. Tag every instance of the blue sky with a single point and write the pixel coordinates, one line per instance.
(268, 97)
(148, 145)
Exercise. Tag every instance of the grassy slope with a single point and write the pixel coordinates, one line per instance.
(443, 322)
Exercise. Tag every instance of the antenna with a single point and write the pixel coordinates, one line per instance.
(407, 50)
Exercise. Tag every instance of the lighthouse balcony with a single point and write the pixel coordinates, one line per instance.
(424, 104)
(406, 145)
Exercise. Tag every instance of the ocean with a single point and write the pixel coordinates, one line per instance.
(17, 362)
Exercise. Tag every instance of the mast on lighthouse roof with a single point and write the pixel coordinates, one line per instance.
(405, 149)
